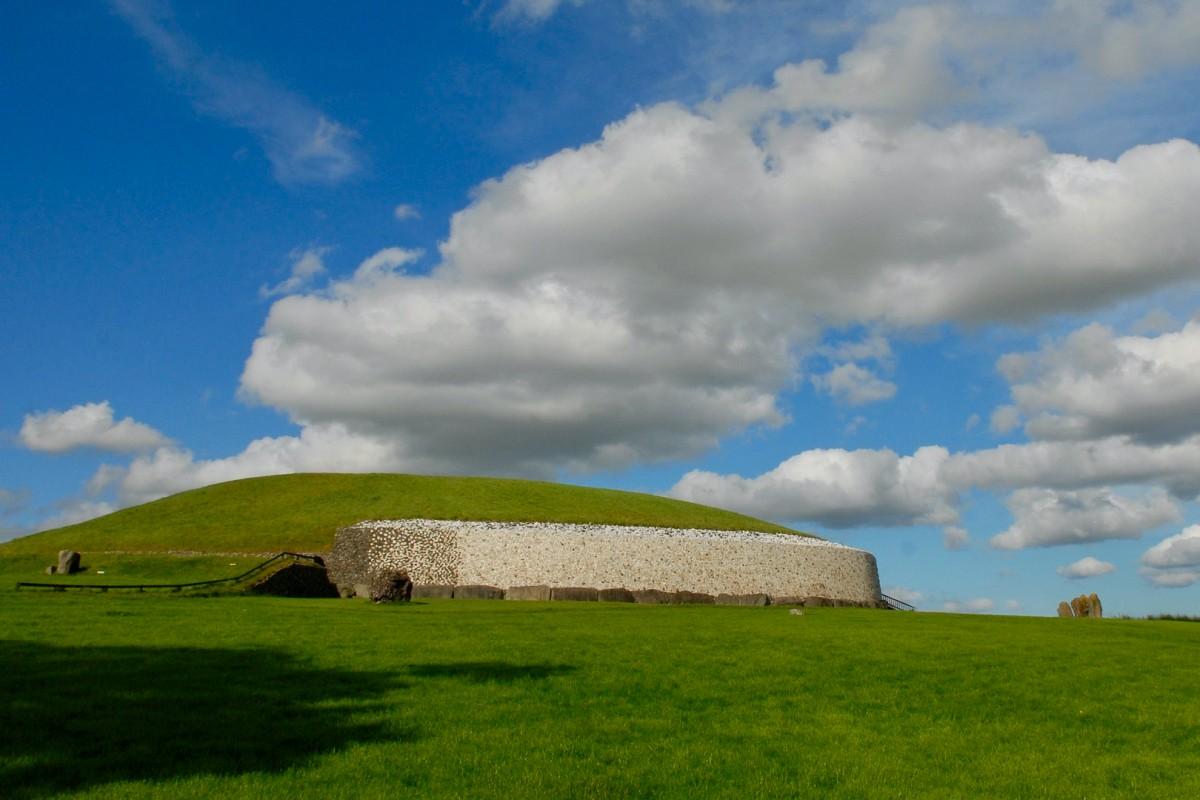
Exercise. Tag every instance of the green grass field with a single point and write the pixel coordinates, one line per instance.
(132, 696)
(301, 512)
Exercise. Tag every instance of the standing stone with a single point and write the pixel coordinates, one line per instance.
(1094, 603)
(50, 570)
(68, 562)
(1064, 609)
(1079, 606)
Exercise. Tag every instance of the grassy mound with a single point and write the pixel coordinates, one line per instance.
(301, 512)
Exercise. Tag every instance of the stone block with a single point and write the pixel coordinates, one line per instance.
(433, 591)
(50, 570)
(818, 602)
(743, 600)
(1064, 609)
(361, 590)
(68, 562)
(786, 600)
(695, 598)
(1095, 607)
(478, 592)
(616, 596)
(653, 596)
(574, 593)
(527, 593)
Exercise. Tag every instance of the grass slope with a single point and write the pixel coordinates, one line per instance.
(301, 512)
(151, 696)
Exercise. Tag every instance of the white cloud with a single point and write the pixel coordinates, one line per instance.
(1171, 578)
(955, 538)
(406, 211)
(1012, 605)
(837, 488)
(1095, 384)
(1004, 419)
(1180, 550)
(854, 386)
(904, 594)
(1086, 567)
(972, 423)
(73, 511)
(87, 425)
(975, 605)
(303, 145)
(532, 10)
(1047, 517)
(318, 448)
(307, 266)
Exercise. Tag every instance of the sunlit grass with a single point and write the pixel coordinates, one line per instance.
(170, 696)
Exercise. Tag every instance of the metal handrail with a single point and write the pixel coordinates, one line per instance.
(141, 587)
(897, 605)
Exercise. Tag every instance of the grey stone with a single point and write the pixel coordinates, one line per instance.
(616, 596)
(787, 600)
(361, 590)
(68, 562)
(1064, 609)
(391, 586)
(695, 598)
(434, 591)
(653, 596)
(796, 612)
(478, 592)
(817, 602)
(574, 593)
(50, 570)
(1094, 603)
(527, 593)
(743, 600)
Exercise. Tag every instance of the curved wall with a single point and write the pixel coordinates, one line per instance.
(506, 555)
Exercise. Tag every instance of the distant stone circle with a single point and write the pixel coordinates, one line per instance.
(547, 561)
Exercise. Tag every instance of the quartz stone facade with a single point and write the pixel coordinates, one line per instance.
(448, 553)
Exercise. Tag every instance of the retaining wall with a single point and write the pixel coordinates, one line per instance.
(506, 554)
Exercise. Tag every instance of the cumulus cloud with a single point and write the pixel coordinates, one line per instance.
(303, 145)
(90, 425)
(1086, 567)
(1171, 578)
(837, 488)
(1095, 384)
(854, 386)
(955, 538)
(1180, 550)
(307, 266)
(1047, 517)
(1004, 419)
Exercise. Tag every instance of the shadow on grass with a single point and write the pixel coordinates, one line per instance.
(74, 717)
(489, 671)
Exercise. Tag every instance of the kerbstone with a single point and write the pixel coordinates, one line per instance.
(527, 593)
(574, 593)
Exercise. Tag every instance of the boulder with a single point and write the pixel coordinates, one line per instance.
(68, 562)
(436, 591)
(616, 596)
(527, 593)
(1064, 609)
(653, 596)
(695, 598)
(796, 612)
(574, 593)
(478, 592)
(50, 570)
(1079, 606)
(391, 587)
(1094, 604)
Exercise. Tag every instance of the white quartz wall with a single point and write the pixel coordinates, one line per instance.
(508, 554)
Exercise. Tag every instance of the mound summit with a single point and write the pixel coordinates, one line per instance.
(301, 512)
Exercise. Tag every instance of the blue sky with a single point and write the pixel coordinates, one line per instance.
(917, 277)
